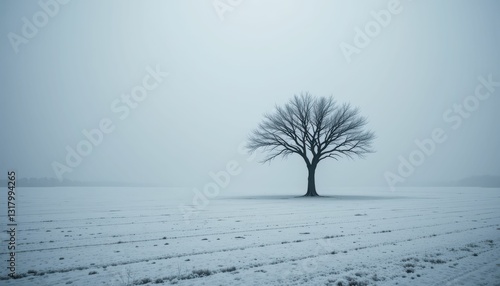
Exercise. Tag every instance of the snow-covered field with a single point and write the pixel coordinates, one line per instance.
(135, 236)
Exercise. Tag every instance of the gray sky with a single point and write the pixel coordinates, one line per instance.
(224, 74)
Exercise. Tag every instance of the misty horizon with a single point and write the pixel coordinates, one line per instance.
(203, 84)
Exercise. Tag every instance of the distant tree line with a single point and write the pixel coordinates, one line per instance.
(54, 182)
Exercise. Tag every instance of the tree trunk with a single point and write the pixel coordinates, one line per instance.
(311, 184)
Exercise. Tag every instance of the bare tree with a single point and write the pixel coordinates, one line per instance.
(315, 129)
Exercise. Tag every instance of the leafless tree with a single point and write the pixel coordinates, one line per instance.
(315, 129)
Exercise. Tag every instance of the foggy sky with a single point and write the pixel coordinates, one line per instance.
(223, 75)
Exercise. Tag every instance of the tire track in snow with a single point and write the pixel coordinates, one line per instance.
(81, 268)
(220, 233)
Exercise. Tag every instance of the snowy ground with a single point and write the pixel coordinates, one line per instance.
(133, 236)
